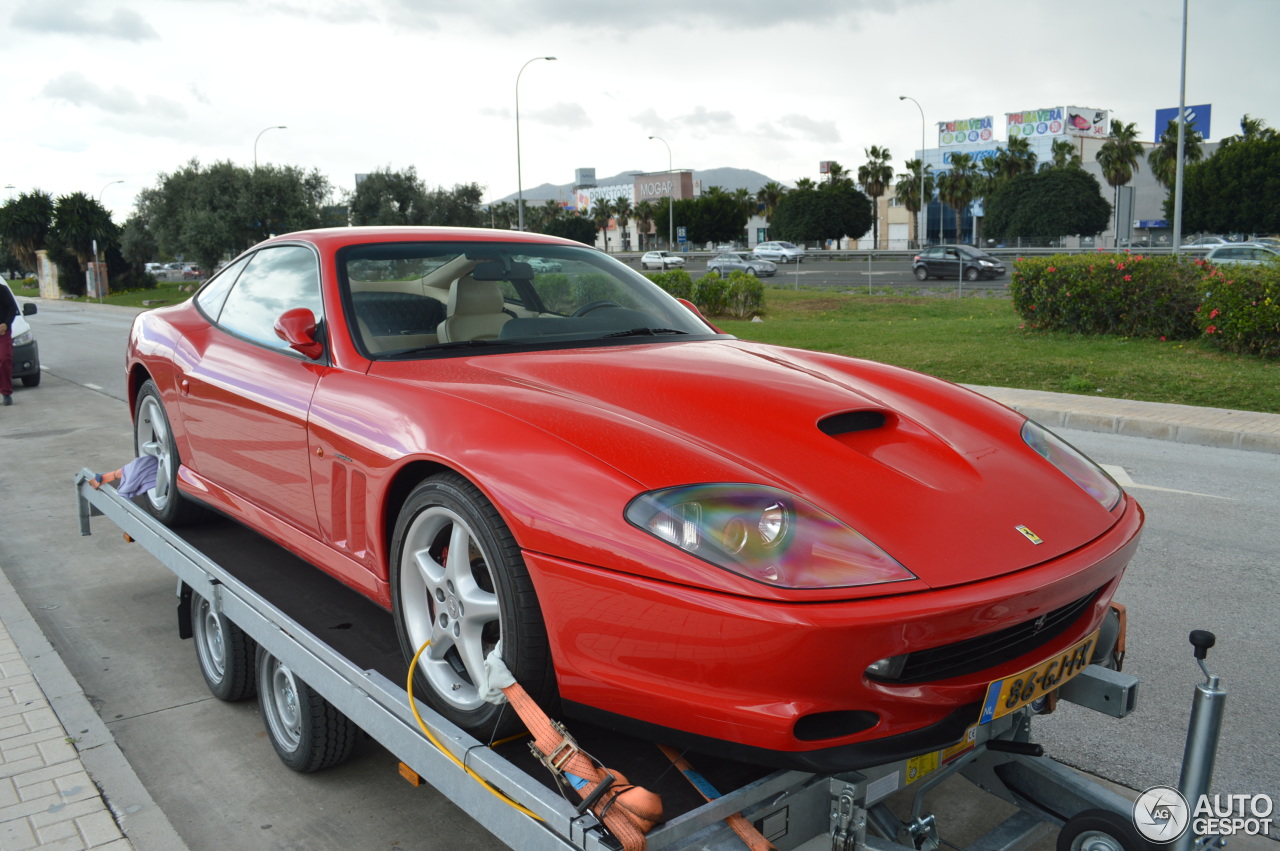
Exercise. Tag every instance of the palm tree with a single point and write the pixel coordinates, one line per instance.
(838, 174)
(1016, 157)
(622, 210)
(769, 196)
(958, 187)
(874, 177)
(907, 191)
(77, 221)
(1250, 129)
(1119, 157)
(1063, 154)
(806, 183)
(644, 213)
(601, 212)
(24, 225)
(1164, 156)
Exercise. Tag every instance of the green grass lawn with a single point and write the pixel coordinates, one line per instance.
(977, 340)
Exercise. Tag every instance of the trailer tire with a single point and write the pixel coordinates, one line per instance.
(1101, 830)
(308, 733)
(226, 655)
(152, 435)
(464, 604)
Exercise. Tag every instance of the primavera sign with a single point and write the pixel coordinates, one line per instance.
(1057, 121)
(965, 131)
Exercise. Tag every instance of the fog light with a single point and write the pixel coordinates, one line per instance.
(887, 669)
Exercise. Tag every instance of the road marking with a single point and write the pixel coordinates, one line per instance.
(1125, 481)
(93, 387)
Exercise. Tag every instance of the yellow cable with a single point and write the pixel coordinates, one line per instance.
(413, 705)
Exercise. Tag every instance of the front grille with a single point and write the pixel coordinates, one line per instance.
(996, 648)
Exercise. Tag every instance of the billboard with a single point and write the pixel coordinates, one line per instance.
(1036, 122)
(1087, 121)
(1197, 115)
(965, 131)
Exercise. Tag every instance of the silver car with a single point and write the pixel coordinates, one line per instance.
(740, 261)
(782, 252)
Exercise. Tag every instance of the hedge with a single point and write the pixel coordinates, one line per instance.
(1240, 311)
(739, 295)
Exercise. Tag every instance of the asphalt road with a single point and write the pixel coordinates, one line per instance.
(860, 274)
(1208, 560)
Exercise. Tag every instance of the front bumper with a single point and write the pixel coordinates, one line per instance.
(26, 360)
(741, 677)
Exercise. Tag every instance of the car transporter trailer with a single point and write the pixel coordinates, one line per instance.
(790, 809)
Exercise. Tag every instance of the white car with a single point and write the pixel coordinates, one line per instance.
(782, 252)
(661, 260)
(543, 266)
(1249, 253)
(26, 354)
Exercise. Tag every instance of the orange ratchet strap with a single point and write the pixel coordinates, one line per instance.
(746, 830)
(629, 812)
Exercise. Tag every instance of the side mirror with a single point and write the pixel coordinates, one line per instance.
(28, 309)
(693, 308)
(297, 327)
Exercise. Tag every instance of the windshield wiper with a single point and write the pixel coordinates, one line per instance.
(646, 332)
(437, 347)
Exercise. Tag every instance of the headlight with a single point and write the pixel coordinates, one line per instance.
(22, 339)
(764, 534)
(987, 263)
(1073, 463)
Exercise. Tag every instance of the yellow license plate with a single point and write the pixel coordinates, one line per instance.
(1012, 693)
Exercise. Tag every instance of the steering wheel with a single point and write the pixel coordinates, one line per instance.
(594, 305)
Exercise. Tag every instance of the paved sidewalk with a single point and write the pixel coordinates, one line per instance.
(65, 784)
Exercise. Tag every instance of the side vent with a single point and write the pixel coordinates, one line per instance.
(838, 424)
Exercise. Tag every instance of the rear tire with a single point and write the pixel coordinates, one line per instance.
(153, 436)
(226, 655)
(307, 732)
(458, 580)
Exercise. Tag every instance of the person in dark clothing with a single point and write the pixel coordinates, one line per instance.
(8, 311)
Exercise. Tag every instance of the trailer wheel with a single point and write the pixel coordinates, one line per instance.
(225, 653)
(152, 436)
(1101, 830)
(304, 728)
(458, 580)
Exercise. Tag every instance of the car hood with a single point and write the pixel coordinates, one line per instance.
(936, 475)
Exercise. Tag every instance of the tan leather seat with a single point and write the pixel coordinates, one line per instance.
(475, 311)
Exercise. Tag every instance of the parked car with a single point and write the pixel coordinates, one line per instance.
(1205, 242)
(661, 260)
(671, 531)
(1249, 253)
(191, 272)
(26, 352)
(740, 261)
(542, 265)
(952, 261)
(782, 252)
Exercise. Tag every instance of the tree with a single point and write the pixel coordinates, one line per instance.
(1047, 204)
(1119, 157)
(907, 191)
(1237, 190)
(458, 207)
(387, 197)
(1251, 129)
(830, 212)
(644, 213)
(622, 212)
(24, 225)
(78, 221)
(575, 226)
(1063, 154)
(769, 196)
(1164, 156)
(601, 213)
(874, 177)
(957, 188)
(714, 217)
(1015, 158)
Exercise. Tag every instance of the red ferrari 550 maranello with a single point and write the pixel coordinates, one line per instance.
(786, 557)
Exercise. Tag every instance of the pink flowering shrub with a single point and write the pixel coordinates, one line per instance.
(1241, 308)
(1123, 294)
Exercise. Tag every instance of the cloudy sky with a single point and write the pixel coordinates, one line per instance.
(96, 91)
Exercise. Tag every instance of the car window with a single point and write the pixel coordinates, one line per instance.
(275, 279)
(214, 293)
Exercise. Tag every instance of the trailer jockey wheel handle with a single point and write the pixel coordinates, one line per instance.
(1202, 640)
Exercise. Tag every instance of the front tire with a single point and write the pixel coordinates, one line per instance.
(971, 274)
(226, 655)
(458, 581)
(307, 733)
(153, 436)
(32, 380)
(922, 274)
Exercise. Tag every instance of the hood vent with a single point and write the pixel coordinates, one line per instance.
(838, 424)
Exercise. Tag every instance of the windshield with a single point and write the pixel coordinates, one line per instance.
(421, 299)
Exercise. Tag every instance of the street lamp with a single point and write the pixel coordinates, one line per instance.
(519, 174)
(10, 187)
(259, 136)
(104, 189)
(671, 194)
(1177, 172)
(924, 208)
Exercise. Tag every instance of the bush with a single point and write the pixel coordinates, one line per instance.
(740, 295)
(1241, 308)
(1123, 294)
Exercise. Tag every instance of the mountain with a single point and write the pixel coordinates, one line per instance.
(728, 179)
